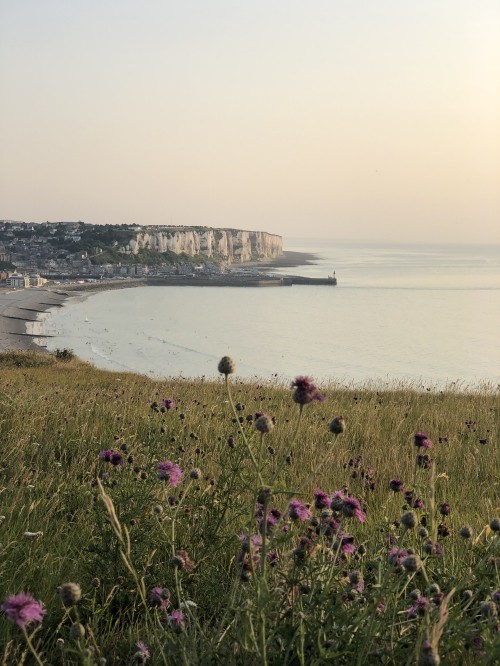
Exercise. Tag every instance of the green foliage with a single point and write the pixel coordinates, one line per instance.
(306, 607)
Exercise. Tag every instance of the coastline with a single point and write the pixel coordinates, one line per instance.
(20, 309)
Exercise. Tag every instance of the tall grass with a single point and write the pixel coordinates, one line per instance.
(252, 581)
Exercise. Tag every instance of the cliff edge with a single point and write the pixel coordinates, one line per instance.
(230, 245)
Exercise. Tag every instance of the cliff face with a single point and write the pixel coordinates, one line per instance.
(232, 245)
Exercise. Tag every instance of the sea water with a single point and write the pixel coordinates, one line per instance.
(427, 314)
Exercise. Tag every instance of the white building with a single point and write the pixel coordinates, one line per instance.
(18, 281)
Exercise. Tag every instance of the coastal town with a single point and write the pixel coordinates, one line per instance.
(31, 254)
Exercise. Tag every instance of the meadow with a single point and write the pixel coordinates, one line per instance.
(197, 522)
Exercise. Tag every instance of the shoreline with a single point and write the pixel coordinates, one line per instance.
(21, 307)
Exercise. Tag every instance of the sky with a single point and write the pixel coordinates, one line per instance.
(349, 119)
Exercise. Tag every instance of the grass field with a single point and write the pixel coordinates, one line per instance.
(242, 560)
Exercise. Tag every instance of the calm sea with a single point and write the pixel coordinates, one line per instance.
(425, 313)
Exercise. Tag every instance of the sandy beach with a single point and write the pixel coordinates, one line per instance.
(21, 306)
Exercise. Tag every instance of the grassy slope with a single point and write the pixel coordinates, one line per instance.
(57, 416)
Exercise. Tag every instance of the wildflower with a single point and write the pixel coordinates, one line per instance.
(176, 620)
(113, 457)
(412, 563)
(195, 473)
(255, 540)
(226, 366)
(142, 654)
(445, 509)
(432, 548)
(23, 609)
(182, 561)
(396, 485)
(70, 594)
(345, 544)
(142, 647)
(419, 607)
(263, 423)
(418, 503)
(488, 609)
(409, 520)
(424, 461)
(337, 426)
(169, 471)
(305, 391)
(159, 597)
(422, 532)
(421, 440)
(298, 511)
(495, 525)
(396, 557)
(167, 404)
(465, 532)
(351, 508)
(337, 500)
(321, 499)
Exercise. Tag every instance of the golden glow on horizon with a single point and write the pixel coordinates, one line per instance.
(361, 120)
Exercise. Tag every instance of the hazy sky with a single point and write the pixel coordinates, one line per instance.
(340, 118)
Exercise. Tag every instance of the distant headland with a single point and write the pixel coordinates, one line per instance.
(79, 248)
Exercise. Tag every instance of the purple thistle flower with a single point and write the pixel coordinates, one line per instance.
(298, 511)
(345, 544)
(23, 609)
(432, 548)
(272, 558)
(337, 502)
(396, 556)
(159, 597)
(106, 455)
(418, 503)
(255, 540)
(396, 485)
(419, 607)
(321, 499)
(351, 508)
(305, 391)
(169, 471)
(116, 459)
(421, 440)
(144, 650)
(167, 403)
(176, 620)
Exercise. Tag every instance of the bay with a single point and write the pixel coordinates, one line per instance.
(425, 314)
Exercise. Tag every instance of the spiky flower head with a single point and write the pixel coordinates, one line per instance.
(298, 511)
(195, 474)
(412, 563)
(396, 485)
(23, 609)
(351, 508)
(170, 472)
(227, 366)
(495, 525)
(422, 441)
(70, 594)
(305, 391)
(409, 520)
(176, 620)
(263, 423)
(337, 426)
(465, 532)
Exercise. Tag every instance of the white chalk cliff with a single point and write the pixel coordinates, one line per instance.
(231, 245)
